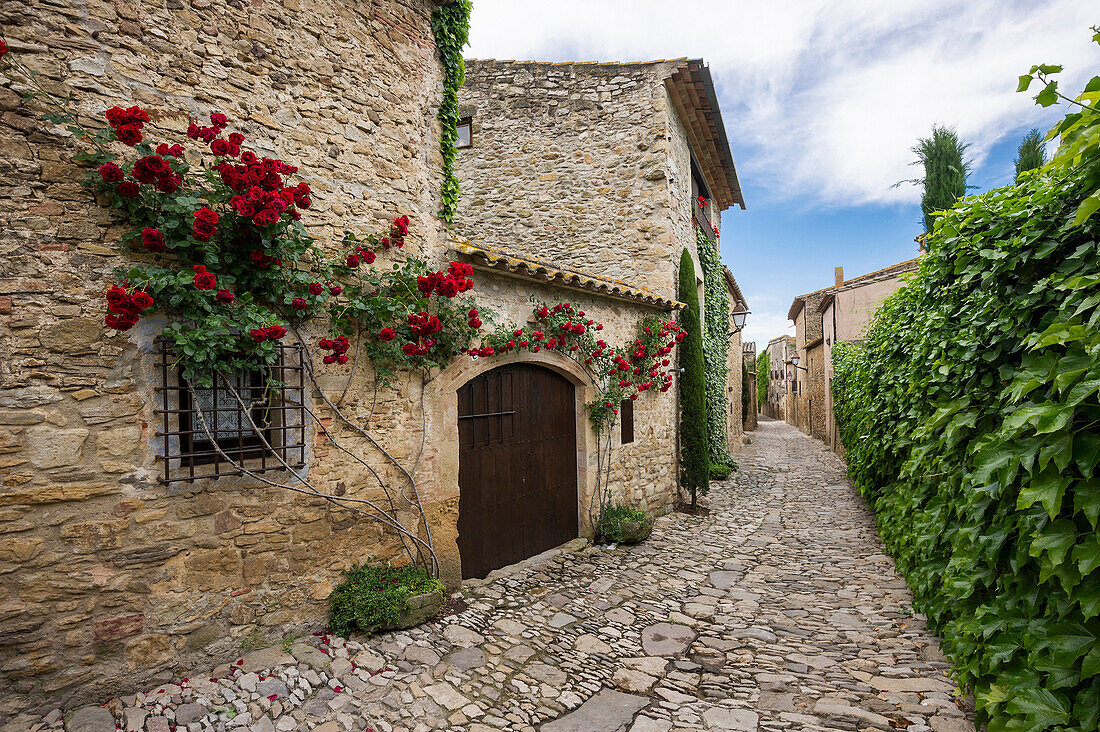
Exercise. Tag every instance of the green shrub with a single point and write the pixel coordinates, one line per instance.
(624, 525)
(971, 420)
(374, 596)
(694, 458)
(718, 471)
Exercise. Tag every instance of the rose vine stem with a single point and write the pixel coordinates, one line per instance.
(309, 490)
(410, 481)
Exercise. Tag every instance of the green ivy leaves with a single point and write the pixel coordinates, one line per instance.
(451, 28)
(971, 417)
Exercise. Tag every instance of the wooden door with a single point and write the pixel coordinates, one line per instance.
(517, 476)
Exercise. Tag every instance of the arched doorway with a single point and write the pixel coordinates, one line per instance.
(517, 432)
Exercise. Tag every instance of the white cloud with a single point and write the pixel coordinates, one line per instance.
(823, 98)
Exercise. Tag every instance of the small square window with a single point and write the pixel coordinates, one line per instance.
(465, 132)
(626, 421)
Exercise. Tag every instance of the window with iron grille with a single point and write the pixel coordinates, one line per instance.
(245, 422)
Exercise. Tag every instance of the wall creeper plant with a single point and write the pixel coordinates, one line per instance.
(716, 343)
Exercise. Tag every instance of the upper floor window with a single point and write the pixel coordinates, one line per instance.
(465, 132)
(626, 421)
(700, 199)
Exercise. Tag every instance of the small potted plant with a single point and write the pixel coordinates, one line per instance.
(624, 525)
(378, 597)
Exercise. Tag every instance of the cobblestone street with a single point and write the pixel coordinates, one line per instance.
(777, 610)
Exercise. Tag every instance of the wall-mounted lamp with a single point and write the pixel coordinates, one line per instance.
(739, 313)
(794, 361)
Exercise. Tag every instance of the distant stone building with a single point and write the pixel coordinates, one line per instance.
(779, 375)
(806, 407)
(845, 313)
(735, 423)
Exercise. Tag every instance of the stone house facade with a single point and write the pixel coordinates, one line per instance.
(845, 313)
(806, 408)
(116, 568)
(736, 417)
(779, 387)
(591, 172)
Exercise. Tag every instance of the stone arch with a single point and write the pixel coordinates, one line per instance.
(438, 472)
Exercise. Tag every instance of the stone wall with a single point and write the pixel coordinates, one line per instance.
(107, 577)
(584, 165)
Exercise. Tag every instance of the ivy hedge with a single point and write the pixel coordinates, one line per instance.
(716, 345)
(971, 419)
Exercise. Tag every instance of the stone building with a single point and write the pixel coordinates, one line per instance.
(806, 408)
(592, 172)
(845, 313)
(736, 421)
(779, 385)
(119, 567)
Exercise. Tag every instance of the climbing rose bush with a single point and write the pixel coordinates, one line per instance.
(221, 250)
(622, 372)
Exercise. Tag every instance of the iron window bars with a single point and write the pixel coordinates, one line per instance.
(276, 404)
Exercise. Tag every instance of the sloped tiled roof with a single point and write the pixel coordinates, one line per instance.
(909, 265)
(529, 268)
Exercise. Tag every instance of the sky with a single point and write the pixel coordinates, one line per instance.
(822, 101)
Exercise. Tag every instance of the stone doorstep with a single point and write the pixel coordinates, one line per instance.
(570, 547)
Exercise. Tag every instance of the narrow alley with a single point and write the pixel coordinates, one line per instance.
(777, 610)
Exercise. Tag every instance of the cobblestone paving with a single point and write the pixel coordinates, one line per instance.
(777, 611)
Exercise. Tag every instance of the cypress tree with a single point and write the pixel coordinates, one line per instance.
(945, 171)
(694, 454)
(1032, 153)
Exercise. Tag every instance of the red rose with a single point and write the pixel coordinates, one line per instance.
(3, 48)
(152, 239)
(275, 331)
(225, 296)
(206, 214)
(111, 173)
(335, 290)
(128, 189)
(142, 300)
(248, 157)
(203, 230)
(387, 334)
(316, 288)
(205, 281)
(409, 349)
(116, 295)
(369, 257)
(258, 334)
(128, 135)
(198, 268)
(236, 138)
(219, 147)
(170, 184)
(219, 120)
(299, 303)
(353, 261)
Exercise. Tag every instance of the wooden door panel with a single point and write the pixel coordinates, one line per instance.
(517, 466)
